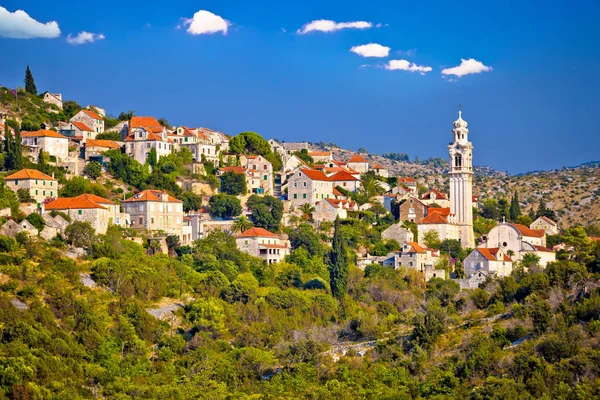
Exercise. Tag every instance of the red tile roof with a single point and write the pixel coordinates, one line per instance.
(548, 220)
(87, 201)
(235, 170)
(338, 193)
(357, 158)
(377, 166)
(492, 253)
(29, 174)
(474, 199)
(319, 153)
(344, 203)
(43, 133)
(342, 176)
(110, 144)
(406, 180)
(82, 126)
(444, 211)
(314, 175)
(151, 195)
(525, 231)
(434, 218)
(542, 248)
(92, 114)
(438, 195)
(415, 248)
(257, 232)
(148, 123)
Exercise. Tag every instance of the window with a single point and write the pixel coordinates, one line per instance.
(152, 220)
(36, 182)
(305, 184)
(51, 193)
(411, 210)
(245, 242)
(80, 212)
(36, 192)
(295, 196)
(44, 192)
(44, 183)
(265, 177)
(304, 196)
(16, 182)
(295, 184)
(265, 166)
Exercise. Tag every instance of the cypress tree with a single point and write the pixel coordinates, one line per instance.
(30, 82)
(515, 208)
(17, 150)
(42, 165)
(338, 264)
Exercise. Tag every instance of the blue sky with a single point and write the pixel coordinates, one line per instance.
(537, 108)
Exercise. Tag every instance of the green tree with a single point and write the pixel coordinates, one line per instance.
(515, 207)
(93, 170)
(24, 196)
(152, 159)
(232, 183)
(304, 156)
(42, 162)
(241, 224)
(36, 220)
(267, 211)
(540, 312)
(224, 206)
(370, 185)
(338, 264)
(29, 82)
(307, 211)
(80, 234)
(191, 201)
(431, 239)
(544, 211)
(429, 325)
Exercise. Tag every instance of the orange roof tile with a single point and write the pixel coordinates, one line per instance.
(151, 195)
(27, 173)
(151, 124)
(314, 175)
(92, 114)
(492, 253)
(342, 176)
(257, 232)
(542, 248)
(338, 193)
(434, 218)
(525, 231)
(443, 211)
(406, 180)
(235, 170)
(548, 220)
(319, 153)
(87, 201)
(111, 144)
(415, 248)
(438, 195)
(82, 126)
(43, 133)
(357, 158)
(337, 202)
(377, 166)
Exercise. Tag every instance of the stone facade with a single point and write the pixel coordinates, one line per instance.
(155, 210)
(51, 142)
(492, 261)
(519, 240)
(412, 210)
(546, 224)
(358, 163)
(259, 175)
(145, 134)
(54, 98)
(11, 228)
(259, 242)
(398, 233)
(309, 186)
(39, 185)
(91, 119)
(330, 209)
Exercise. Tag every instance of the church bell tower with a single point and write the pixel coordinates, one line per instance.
(461, 181)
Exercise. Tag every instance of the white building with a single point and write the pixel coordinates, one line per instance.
(330, 209)
(546, 224)
(259, 242)
(309, 186)
(461, 181)
(422, 259)
(518, 240)
(53, 98)
(435, 197)
(51, 142)
(358, 163)
(91, 119)
(492, 261)
(39, 185)
(156, 210)
(145, 134)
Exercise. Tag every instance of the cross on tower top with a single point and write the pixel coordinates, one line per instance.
(460, 110)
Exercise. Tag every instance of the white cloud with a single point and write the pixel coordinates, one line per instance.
(405, 65)
(371, 50)
(206, 23)
(84, 37)
(325, 25)
(466, 67)
(19, 25)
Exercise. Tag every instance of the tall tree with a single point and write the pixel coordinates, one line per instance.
(42, 163)
(29, 82)
(18, 150)
(515, 208)
(152, 159)
(338, 264)
(241, 224)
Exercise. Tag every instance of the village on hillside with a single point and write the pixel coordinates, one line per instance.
(80, 172)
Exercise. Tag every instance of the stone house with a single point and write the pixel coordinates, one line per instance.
(145, 134)
(293, 162)
(91, 119)
(219, 139)
(321, 156)
(330, 209)
(197, 142)
(259, 242)
(519, 240)
(51, 142)
(11, 228)
(309, 186)
(345, 180)
(155, 210)
(259, 175)
(423, 259)
(406, 185)
(545, 224)
(398, 233)
(285, 149)
(380, 170)
(441, 222)
(80, 131)
(358, 163)
(435, 197)
(413, 210)
(94, 147)
(53, 98)
(492, 261)
(39, 185)
(85, 208)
